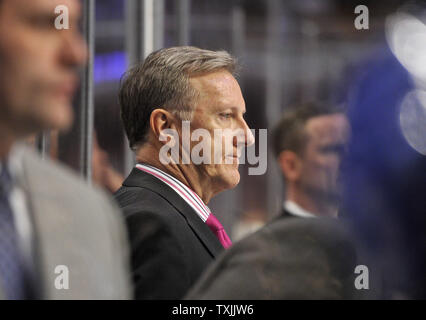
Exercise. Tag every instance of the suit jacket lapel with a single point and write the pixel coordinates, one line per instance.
(138, 178)
(48, 217)
(52, 218)
(34, 261)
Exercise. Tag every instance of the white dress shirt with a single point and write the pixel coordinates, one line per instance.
(19, 205)
(294, 209)
(190, 197)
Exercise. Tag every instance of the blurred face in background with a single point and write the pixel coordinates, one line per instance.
(38, 65)
(327, 137)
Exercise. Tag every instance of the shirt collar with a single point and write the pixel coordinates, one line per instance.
(190, 197)
(14, 161)
(296, 210)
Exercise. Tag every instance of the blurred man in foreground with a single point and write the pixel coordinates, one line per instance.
(176, 98)
(59, 238)
(309, 143)
(286, 259)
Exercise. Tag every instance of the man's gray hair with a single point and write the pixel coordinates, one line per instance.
(162, 81)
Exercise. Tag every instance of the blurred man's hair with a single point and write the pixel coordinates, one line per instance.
(162, 81)
(289, 133)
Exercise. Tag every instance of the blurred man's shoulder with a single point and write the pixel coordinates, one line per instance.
(49, 181)
(46, 171)
(66, 210)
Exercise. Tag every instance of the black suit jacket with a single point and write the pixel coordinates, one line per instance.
(287, 259)
(170, 244)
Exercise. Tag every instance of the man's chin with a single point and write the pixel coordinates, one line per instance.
(60, 118)
(232, 177)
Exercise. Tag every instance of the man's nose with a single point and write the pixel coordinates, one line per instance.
(249, 137)
(247, 134)
(74, 51)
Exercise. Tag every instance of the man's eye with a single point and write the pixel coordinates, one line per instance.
(226, 115)
(45, 22)
(340, 150)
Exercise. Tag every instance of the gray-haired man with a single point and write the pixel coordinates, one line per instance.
(177, 95)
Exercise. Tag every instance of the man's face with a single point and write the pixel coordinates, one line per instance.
(38, 65)
(221, 106)
(326, 141)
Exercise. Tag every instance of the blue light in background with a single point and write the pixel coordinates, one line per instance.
(109, 67)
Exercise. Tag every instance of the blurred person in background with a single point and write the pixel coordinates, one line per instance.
(173, 234)
(103, 173)
(309, 142)
(48, 217)
(66, 147)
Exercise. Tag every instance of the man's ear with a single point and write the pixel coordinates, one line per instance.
(161, 122)
(290, 164)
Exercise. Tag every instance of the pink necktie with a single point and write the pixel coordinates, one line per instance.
(217, 228)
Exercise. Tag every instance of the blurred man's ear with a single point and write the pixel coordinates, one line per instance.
(290, 164)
